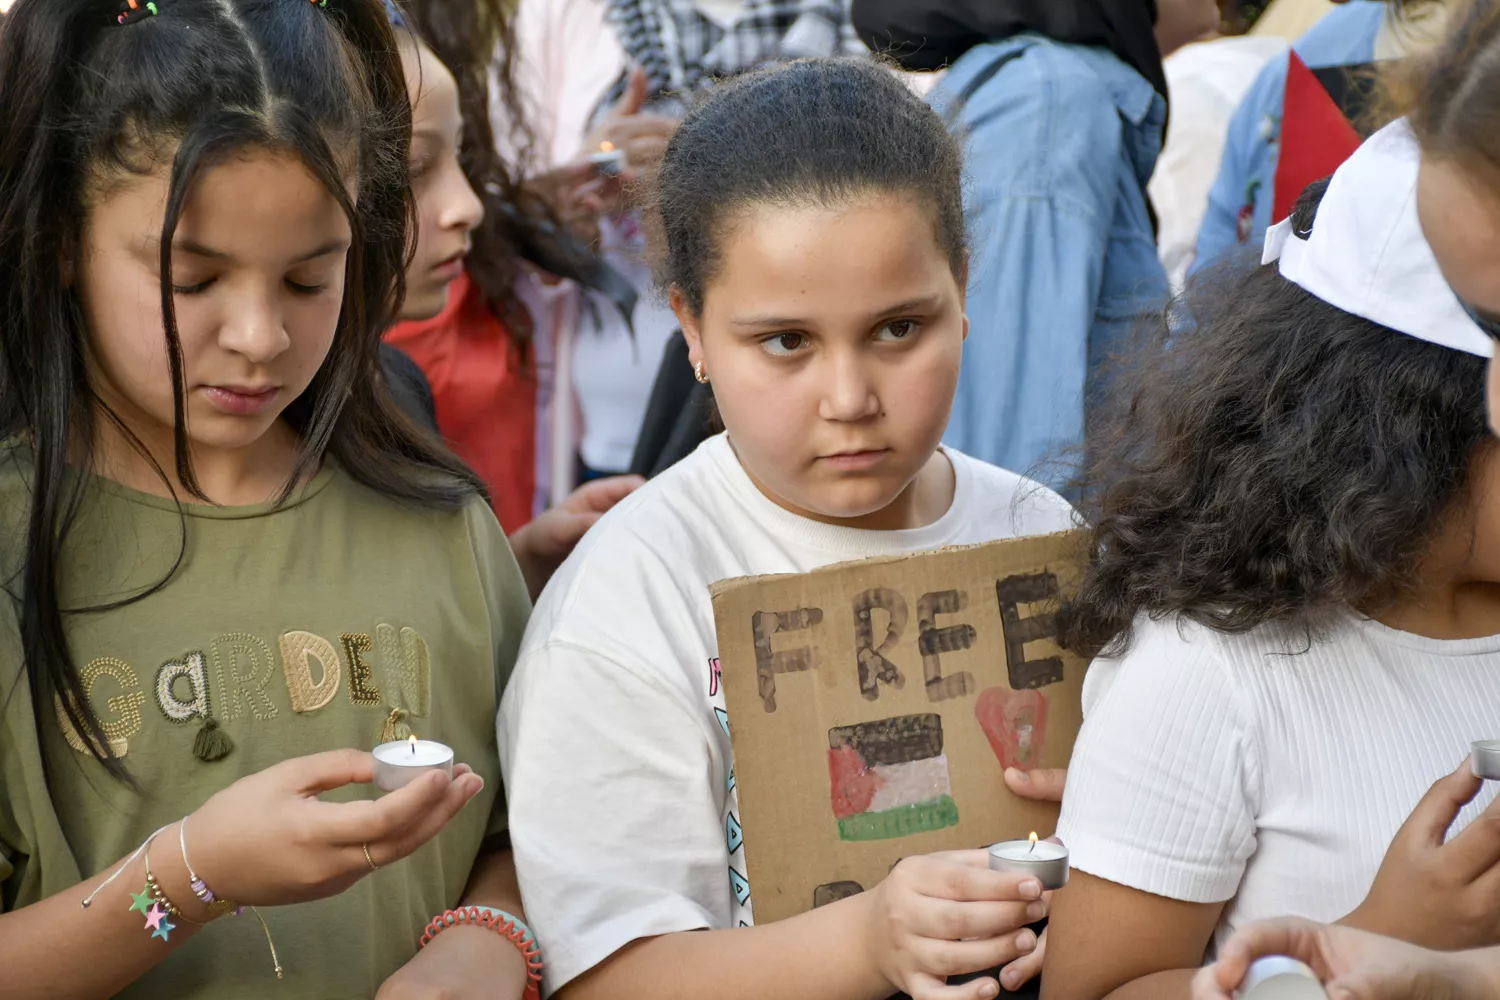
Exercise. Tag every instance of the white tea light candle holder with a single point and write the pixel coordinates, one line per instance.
(1277, 977)
(609, 161)
(404, 761)
(1047, 861)
(1484, 759)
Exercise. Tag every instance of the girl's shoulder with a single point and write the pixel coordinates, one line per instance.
(1266, 664)
(664, 531)
(1001, 503)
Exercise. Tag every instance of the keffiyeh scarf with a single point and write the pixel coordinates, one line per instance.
(681, 49)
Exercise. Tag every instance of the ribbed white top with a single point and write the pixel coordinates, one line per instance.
(1259, 770)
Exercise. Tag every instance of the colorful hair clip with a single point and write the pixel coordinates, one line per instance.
(319, 3)
(394, 15)
(136, 12)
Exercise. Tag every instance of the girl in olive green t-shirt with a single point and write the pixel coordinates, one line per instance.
(233, 566)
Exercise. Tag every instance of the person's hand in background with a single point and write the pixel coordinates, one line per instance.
(541, 546)
(640, 134)
(579, 192)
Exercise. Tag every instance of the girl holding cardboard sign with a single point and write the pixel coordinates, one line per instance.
(810, 222)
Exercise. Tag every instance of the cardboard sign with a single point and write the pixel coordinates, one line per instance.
(874, 706)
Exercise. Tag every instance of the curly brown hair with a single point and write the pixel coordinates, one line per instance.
(474, 39)
(1268, 457)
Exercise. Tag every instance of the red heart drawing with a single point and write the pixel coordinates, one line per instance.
(1015, 722)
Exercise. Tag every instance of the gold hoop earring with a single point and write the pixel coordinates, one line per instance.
(699, 374)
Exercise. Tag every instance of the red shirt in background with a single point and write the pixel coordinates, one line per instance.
(486, 395)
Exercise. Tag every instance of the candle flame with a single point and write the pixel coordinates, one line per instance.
(1033, 840)
(606, 146)
(412, 742)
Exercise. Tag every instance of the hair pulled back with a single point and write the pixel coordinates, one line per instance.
(816, 131)
(1270, 458)
(88, 101)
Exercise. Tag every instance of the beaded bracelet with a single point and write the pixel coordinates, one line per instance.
(221, 907)
(215, 905)
(159, 897)
(502, 923)
(152, 901)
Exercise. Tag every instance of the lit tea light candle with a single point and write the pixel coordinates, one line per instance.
(1047, 861)
(1484, 759)
(1277, 977)
(401, 762)
(609, 160)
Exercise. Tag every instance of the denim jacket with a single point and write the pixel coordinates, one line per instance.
(1061, 142)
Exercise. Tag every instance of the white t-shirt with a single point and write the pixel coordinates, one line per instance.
(1256, 769)
(613, 732)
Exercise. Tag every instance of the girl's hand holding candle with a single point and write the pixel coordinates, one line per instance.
(1484, 759)
(1045, 859)
(941, 915)
(400, 762)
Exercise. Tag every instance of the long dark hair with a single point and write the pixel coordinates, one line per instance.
(84, 97)
(475, 40)
(1271, 458)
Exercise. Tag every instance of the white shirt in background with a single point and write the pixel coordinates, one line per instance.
(567, 57)
(613, 368)
(613, 731)
(1206, 81)
(1266, 772)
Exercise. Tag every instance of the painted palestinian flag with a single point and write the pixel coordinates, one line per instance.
(889, 778)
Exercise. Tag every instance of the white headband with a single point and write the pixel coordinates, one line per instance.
(1366, 253)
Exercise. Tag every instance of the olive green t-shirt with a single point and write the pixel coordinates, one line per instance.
(299, 629)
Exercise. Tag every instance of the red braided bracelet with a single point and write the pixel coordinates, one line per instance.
(506, 927)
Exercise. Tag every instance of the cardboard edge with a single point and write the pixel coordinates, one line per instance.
(726, 586)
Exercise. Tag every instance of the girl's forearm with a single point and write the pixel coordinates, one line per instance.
(56, 949)
(493, 883)
(818, 955)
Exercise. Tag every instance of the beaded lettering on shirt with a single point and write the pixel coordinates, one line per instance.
(193, 670)
(299, 650)
(125, 707)
(244, 665)
(362, 690)
(405, 669)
